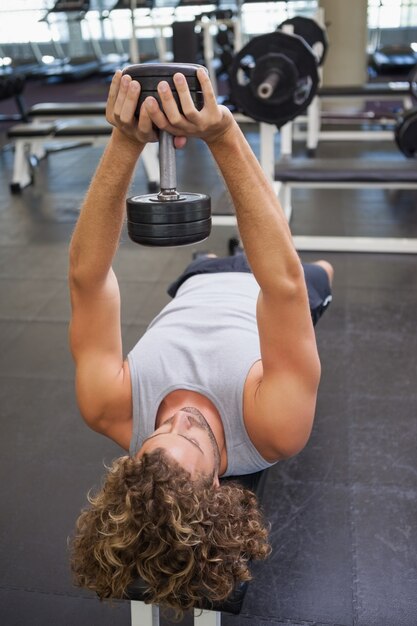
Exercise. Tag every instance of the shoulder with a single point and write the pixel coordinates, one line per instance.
(279, 411)
(105, 401)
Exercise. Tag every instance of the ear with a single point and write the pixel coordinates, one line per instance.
(216, 481)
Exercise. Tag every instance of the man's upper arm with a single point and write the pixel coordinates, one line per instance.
(286, 396)
(102, 380)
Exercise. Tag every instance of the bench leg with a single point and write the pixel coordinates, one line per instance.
(313, 126)
(267, 153)
(283, 191)
(150, 162)
(144, 614)
(38, 149)
(207, 618)
(22, 176)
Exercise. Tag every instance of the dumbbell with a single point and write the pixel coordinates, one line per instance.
(169, 217)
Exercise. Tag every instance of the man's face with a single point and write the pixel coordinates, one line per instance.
(189, 440)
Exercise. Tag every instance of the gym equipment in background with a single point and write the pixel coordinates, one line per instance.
(167, 218)
(406, 133)
(393, 60)
(274, 77)
(12, 86)
(311, 32)
(76, 67)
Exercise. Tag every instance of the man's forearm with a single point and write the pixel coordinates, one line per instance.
(97, 233)
(262, 224)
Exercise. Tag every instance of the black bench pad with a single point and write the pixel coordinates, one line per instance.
(370, 89)
(233, 604)
(345, 171)
(67, 109)
(31, 130)
(87, 128)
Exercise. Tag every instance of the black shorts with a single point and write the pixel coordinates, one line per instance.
(317, 281)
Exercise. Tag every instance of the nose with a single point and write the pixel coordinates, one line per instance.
(180, 422)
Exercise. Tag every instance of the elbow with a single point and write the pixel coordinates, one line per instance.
(75, 267)
(84, 275)
(289, 285)
(92, 416)
(290, 446)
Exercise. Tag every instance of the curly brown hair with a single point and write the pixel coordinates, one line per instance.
(185, 539)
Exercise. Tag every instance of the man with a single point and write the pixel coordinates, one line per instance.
(224, 381)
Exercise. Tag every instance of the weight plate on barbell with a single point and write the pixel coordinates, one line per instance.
(311, 32)
(273, 77)
(148, 209)
(406, 133)
(412, 77)
(296, 100)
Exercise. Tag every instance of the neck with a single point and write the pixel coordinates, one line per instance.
(180, 398)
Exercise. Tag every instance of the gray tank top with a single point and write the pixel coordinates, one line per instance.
(205, 340)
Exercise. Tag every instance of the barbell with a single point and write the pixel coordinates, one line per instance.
(274, 77)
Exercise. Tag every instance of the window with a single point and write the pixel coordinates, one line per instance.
(392, 13)
(20, 21)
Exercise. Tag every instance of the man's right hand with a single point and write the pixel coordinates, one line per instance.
(120, 112)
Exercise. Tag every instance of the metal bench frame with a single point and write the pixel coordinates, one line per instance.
(31, 148)
(395, 245)
(148, 615)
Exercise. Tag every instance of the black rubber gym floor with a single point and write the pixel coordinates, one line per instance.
(343, 512)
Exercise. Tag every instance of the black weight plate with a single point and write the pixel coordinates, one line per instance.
(197, 97)
(413, 84)
(406, 133)
(299, 53)
(169, 242)
(225, 38)
(150, 83)
(190, 208)
(312, 32)
(149, 75)
(163, 71)
(280, 67)
(183, 239)
(169, 230)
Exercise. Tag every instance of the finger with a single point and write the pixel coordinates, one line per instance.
(121, 95)
(187, 104)
(113, 91)
(128, 109)
(157, 116)
(145, 124)
(160, 120)
(209, 97)
(179, 142)
(168, 104)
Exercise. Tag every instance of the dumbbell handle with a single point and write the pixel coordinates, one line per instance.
(167, 167)
(267, 87)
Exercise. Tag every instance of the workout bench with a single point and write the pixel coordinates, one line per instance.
(54, 122)
(206, 615)
(35, 141)
(332, 174)
(401, 91)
